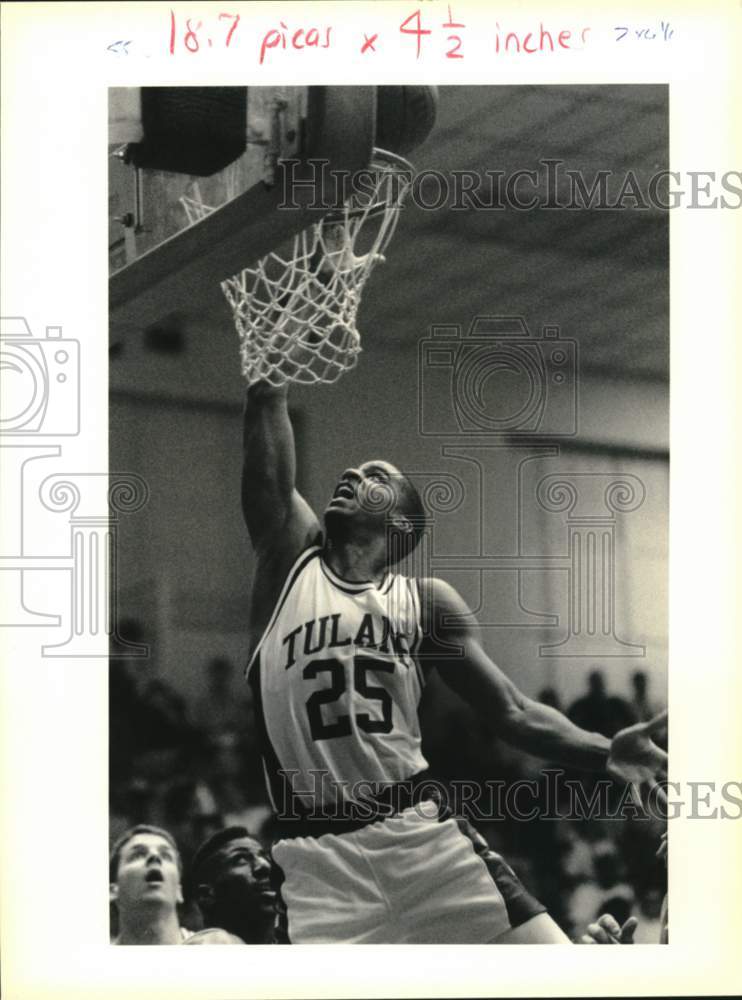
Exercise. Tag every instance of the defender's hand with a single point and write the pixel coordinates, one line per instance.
(606, 930)
(635, 758)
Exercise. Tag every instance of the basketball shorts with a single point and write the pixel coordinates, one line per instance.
(418, 877)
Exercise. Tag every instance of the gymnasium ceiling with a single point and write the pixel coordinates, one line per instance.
(601, 276)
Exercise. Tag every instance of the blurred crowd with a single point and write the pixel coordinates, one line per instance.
(192, 771)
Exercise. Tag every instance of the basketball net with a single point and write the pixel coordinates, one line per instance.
(295, 311)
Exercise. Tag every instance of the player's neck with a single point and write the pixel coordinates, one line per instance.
(262, 935)
(357, 562)
(149, 928)
(259, 931)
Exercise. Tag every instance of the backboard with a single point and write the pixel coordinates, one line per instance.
(162, 257)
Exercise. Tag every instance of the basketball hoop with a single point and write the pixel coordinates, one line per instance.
(295, 311)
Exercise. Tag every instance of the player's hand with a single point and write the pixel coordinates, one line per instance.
(606, 930)
(635, 758)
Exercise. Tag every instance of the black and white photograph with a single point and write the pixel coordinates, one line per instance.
(392, 654)
(368, 522)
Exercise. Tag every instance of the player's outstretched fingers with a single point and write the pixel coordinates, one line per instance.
(598, 934)
(610, 925)
(656, 724)
(627, 931)
(606, 930)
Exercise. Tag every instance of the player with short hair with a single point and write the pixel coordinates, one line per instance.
(145, 886)
(341, 646)
(231, 877)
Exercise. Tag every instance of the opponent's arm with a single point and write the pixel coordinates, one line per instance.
(452, 645)
(275, 513)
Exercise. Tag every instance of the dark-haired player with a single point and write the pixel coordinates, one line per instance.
(341, 645)
(231, 877)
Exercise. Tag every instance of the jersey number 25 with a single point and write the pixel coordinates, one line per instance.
(322, 730)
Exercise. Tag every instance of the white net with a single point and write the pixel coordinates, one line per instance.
(295, 311)
(193, 202)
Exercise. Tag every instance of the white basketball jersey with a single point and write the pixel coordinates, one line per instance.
(336, 682)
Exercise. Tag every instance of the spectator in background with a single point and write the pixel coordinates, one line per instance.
(123, 711)
(231, 876)
(124, 704)
(549, 696)
(642, 705)
(599, 712)
(132, 803)
(224, 722)
(191, 812)
(145, 887)
(221, 709)
(163, 720)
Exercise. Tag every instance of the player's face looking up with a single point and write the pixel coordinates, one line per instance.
(367, 496)
(148, 872)
(237, 882)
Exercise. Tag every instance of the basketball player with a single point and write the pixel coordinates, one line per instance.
(340, 649)
(231, 874)
(145, 886)
(145, 876)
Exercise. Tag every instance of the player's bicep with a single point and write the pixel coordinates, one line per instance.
(451, 645)
(289, 527)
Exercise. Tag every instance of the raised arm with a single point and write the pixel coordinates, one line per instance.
(451, 644)
(276, 515)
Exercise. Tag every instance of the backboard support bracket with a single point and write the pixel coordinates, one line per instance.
(339, 128)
